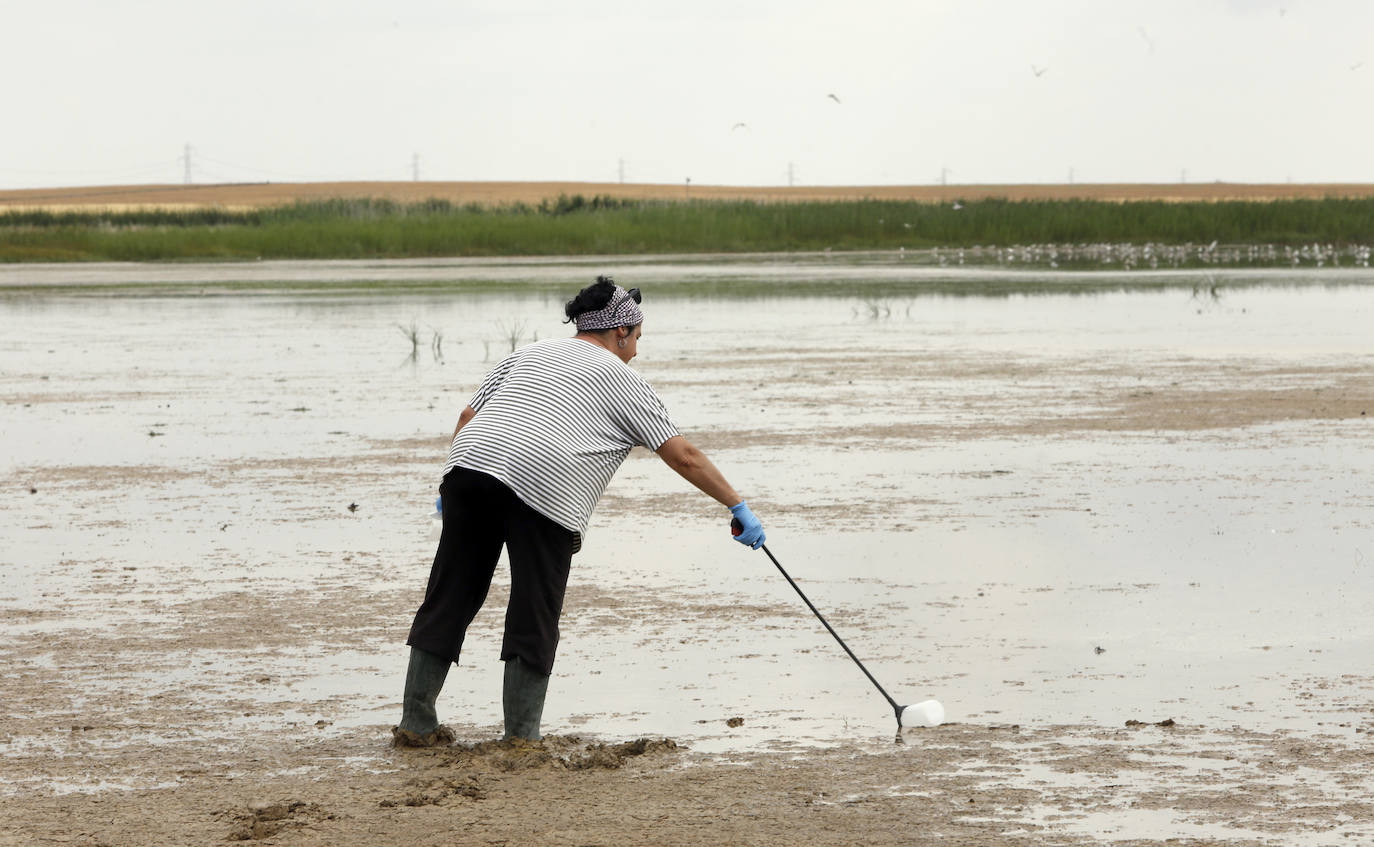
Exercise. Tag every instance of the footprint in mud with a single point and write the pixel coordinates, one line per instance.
(435, 791)
(264, 820)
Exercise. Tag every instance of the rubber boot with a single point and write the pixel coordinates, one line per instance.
(419, 719)
(522, 696)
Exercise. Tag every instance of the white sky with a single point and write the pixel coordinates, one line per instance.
(111, 91)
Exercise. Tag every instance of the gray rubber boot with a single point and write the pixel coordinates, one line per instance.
(419, 719)
(522, 696)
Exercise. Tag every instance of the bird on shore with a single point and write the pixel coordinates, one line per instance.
(352, 507)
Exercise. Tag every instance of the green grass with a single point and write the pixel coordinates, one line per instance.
(365, 228)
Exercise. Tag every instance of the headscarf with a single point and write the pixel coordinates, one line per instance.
(620, 310)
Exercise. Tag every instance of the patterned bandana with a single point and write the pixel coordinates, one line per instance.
(621, 310)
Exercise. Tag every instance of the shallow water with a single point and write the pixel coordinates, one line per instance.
(944, 475)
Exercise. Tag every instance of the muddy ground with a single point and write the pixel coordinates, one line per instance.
(202, 656)
(146, 762)
(957, 784)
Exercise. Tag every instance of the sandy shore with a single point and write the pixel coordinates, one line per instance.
(252, 195)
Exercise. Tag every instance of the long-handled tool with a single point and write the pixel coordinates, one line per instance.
(927, 713)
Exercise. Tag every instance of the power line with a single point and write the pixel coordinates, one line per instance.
(195, 166)
(266, 171)
(220, 177)
(295, 177)
(160, 166)
(124, 191)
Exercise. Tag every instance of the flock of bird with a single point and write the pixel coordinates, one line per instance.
(1155, 256)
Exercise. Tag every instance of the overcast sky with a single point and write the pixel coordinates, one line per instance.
(969, 91)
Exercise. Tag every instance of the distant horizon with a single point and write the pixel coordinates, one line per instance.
(531, 192)
(654, 184)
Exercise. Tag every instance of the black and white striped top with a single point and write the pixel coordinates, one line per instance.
(554, 421)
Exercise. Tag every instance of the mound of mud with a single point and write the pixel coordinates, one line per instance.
(555, 752)
(463, 772)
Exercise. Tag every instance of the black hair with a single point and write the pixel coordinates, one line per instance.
(590, 299)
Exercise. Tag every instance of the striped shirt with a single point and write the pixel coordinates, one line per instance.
(554, 421)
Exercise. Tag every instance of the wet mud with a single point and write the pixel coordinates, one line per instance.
(1125, 543)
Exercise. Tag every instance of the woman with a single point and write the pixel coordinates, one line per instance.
(530, 457)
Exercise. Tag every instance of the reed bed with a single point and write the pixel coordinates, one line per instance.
(1049, 232)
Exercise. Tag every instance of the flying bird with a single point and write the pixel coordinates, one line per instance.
(740, 125)
(1038, 71)
(1357, 66)
(1149, 42)
(833, 97)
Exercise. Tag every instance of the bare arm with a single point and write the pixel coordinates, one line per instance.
(463, 417)
(693, 466)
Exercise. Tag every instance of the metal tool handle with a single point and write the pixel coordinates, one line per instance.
(735, 529)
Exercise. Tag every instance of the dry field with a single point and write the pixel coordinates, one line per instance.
(252, 195)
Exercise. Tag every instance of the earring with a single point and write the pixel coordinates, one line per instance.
(620, 343)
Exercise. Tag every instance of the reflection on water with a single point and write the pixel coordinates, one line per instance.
(192, 458)
(976, 272)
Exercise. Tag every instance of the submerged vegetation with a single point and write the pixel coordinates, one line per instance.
(1146, 233)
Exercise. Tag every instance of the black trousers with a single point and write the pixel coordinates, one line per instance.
(480, 516)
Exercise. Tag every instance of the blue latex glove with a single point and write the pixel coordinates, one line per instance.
(751, 530)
